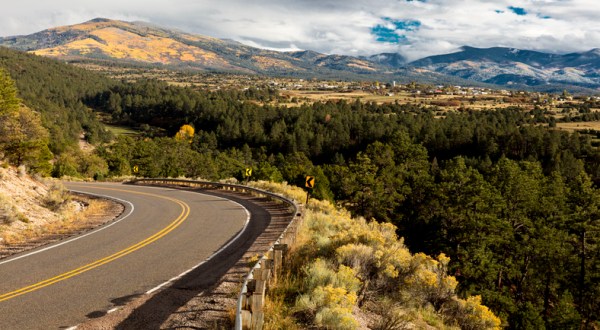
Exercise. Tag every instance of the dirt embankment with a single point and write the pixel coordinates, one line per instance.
(38, 212)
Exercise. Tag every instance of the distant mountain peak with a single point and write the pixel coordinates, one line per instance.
(595, 52)
(99, 20)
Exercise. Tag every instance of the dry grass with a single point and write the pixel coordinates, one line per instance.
(9, 212)
(79, 214)
(578, 126)
(444, 102)
(322, 96)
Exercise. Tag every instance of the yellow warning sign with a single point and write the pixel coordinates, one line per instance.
(310, 182)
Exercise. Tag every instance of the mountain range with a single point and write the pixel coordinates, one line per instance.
(509, 66)
(142, 43)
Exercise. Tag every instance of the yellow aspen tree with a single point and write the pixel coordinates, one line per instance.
(186, 133)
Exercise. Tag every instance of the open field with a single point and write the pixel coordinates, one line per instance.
(122, 130)
(445, 102)
(578, 126)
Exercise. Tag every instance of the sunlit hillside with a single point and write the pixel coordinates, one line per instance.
(121, 44)
(139, 42)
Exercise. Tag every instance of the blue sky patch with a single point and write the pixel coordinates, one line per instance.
(384, 33)
(499, 11)
(518, 10)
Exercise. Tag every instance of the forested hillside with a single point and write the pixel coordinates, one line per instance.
(23, 139)
(56, 91)
(512, 201)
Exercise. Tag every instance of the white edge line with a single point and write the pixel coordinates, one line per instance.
(213, 255)
(82, 236)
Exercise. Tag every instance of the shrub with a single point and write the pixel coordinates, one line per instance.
(470, 314)
(9, 212)
(21, 171)
(391, 316)
(336, 318)
(331, 307)
(321, 273)
(56, 197)
(429, 281)
(65, 165)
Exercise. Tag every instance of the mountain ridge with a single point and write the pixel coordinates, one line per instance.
(103, 39)
(510, 66)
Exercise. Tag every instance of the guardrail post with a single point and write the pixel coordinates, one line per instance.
(279, 251)
(268, 266)
(258, 297)
(246, 317)
(277, 261)
(258, 316)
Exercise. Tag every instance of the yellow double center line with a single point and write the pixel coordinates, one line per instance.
(181, 218)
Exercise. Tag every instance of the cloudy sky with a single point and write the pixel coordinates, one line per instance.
(414, 28)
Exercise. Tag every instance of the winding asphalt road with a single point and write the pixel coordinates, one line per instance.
(162, 233)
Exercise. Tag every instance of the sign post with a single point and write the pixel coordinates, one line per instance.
(310, 184)
(136, 169)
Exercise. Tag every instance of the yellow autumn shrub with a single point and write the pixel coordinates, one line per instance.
(336, 318)
(470, 314)
(332, 306)
(350, 259)
(324, 273)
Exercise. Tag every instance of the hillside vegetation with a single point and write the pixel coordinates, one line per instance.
(56, 91)
(131, 42)
(510, 200)
(346, 273)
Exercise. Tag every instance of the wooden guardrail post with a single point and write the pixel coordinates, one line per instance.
(279, 251)
(261, 276)
(268, 265)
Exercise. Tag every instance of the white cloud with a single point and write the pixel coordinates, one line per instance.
(342, 27)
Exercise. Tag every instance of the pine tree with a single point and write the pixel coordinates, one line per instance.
(9, 102)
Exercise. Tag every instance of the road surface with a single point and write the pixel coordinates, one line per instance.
(162, 233)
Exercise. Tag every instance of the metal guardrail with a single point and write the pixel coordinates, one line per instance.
(249, 314)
